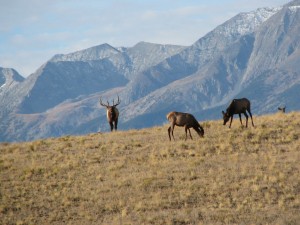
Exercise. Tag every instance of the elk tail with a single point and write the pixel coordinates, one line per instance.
(169, 115)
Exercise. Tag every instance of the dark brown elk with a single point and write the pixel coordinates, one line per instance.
(185, 120)
(237, 106)
(112, 113)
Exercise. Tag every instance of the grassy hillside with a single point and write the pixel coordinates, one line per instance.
(231, 176)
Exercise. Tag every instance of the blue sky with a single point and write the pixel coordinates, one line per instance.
(32, 31)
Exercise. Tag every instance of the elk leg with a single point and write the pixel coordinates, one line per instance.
(172, 130)
(251, 117)
(111, 126)
(185, 128)
(241, 119)
(230, 121)
(190, 134)
(169, 131)
(246, 118)
(173, 127)
(116, 124)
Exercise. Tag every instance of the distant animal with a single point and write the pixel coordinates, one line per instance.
(237, 106)
(185, 120)
(112, 113)
(282, 109)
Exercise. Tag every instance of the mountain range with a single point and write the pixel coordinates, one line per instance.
(254, 55)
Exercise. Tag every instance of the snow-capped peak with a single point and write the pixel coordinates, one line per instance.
(245, 23)
(93, 53)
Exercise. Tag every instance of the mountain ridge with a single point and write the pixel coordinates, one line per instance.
(253, 54)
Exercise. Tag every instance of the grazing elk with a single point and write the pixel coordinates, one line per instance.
(237, 106)
(185, 120)
(112, 113)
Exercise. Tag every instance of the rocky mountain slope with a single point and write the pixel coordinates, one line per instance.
(9, 79)
(254, 55)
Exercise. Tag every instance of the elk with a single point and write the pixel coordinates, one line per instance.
(112, 113)
(282, 109)
(185, 120)
(237, 106)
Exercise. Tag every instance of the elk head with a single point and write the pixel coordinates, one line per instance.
(226, 117)
(112, 113)
(282, 109)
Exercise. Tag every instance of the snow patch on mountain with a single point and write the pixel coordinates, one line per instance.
(94, 53)
(247, 22)
(294, 8)
(9, 77)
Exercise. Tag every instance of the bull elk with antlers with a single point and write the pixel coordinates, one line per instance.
(112, 113)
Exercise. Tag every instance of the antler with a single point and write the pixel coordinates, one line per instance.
(117, 102)
(101, 103)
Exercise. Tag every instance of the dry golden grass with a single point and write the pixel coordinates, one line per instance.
(231, 176)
